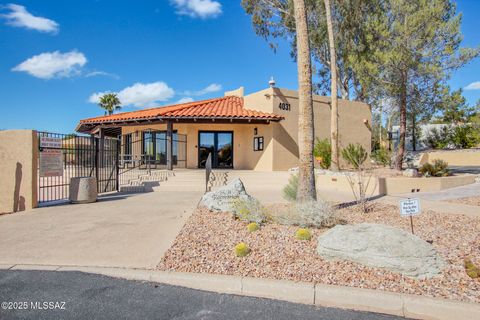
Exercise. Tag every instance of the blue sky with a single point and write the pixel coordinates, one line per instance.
(56, 55)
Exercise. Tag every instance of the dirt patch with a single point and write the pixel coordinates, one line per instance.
(206, 245)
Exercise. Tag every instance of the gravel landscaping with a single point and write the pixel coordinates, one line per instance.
(206, 245)
(471, 201)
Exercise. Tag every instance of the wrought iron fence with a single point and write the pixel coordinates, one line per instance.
(147, 150)
(64, 156)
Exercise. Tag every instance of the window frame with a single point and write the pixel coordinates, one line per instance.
(258, 143)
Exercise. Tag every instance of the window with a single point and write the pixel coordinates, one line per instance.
(258, 144)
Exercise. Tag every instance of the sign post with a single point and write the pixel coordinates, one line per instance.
(410, 208)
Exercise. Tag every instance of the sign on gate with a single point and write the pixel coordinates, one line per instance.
(51, 157)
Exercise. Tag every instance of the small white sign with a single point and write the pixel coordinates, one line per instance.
(49, 142)
(410, 207)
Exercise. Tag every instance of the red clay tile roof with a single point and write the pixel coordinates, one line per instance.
(229, 107)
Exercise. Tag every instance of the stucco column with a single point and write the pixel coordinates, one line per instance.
(169, 145)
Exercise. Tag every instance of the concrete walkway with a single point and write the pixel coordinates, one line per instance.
(118, 231)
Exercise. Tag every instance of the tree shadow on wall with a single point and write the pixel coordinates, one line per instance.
(18, 200)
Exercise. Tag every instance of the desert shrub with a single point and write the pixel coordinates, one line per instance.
(438, 139)
(459, 136)
(315, 214)
(242, 249)
(472, 270)
(355, 155)
(439, 168)
(382, 156)
(303, 234)
(465, 136)
(323, 153)
(363, 184)
(290, 190)
(250, 210)
(253, 226)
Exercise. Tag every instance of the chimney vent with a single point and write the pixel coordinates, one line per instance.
(271, 83)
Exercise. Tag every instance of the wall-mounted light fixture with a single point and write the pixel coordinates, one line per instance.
(255, 131)
(365, 122)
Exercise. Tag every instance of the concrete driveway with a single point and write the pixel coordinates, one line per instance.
(118, 231)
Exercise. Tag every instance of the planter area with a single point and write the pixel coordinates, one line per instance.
(206, 245)
(393, 183)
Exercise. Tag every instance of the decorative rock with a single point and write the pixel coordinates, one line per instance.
(381, 246)
(222, 199)
(411, 173)
(83, 190)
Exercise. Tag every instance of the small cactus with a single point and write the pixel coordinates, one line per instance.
(472, 273)
(303, 234)
(472, 270)
(252, 227)
(242, 249)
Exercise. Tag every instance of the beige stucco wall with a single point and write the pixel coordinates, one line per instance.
(18, 170)
(352, 128)
(400, 185)
(406, 185)
(280, 138)
(243, 155)
(454, 158)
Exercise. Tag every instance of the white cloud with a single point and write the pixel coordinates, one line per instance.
(184, 100)
(473, 86)
(101, 73)
(214, 87)
(20, 17)
(198, 8)
(140, 94)
(53, 64)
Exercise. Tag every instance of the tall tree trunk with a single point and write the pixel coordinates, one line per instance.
(334, 95)
(403, 125)
(380, 126)
(306, 175)
(414, 138)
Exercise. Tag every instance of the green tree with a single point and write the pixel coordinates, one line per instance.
(418, 47)
(289, 19)
(110, 102)
(454, 107)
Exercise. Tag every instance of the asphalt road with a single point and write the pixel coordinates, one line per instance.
(76, 295)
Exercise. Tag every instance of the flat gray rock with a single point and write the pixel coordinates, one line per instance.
(381, 246)
(222, 199)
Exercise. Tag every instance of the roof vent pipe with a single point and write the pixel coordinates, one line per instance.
(271, 83)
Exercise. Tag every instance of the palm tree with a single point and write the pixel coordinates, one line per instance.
(306, 175)
(334, 96)
(110, 103)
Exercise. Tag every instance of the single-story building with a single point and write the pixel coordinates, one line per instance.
(258, 131)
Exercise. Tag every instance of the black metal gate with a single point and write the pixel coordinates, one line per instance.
(65, 156)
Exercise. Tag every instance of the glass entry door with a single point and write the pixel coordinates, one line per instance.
(219, 144)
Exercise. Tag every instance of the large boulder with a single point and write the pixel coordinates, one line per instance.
(381, 246)
(224, 198)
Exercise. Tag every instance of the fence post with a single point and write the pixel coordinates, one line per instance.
(208, 171)
(169, 145)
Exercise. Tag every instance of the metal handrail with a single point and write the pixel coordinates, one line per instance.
(208, 171)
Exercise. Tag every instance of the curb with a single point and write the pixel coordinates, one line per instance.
(399, 304)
